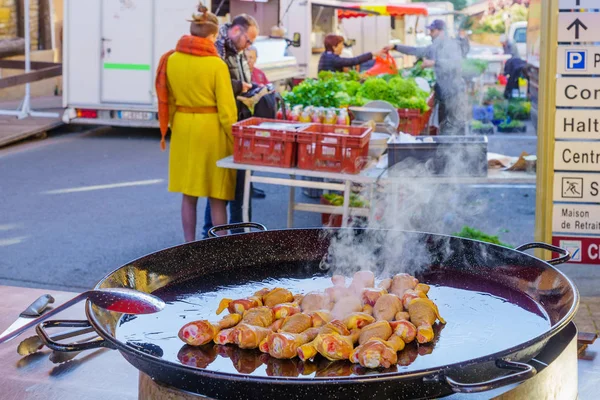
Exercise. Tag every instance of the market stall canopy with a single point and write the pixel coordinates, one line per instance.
(392, 10)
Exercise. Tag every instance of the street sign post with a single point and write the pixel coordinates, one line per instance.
(570, 149)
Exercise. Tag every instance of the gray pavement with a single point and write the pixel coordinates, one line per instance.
(57, 233)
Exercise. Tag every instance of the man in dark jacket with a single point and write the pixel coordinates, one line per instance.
(444, 55)
(233, 39)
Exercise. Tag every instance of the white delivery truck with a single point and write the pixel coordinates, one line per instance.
(111, 52)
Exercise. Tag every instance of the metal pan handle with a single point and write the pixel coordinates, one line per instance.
(525, 371)
(51, 344)
(212, 232)
(566, 256)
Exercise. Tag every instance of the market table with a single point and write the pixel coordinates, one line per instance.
(370, 176)
(104, 374)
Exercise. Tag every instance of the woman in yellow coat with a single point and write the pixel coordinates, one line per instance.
(196, 97)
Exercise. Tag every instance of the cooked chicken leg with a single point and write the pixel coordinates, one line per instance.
(378, 353)
(401, 283)
(386, 307)
(284, 345)
(198, 333)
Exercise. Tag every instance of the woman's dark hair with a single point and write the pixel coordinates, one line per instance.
(244, 21)
(331, 41)
(204, 23)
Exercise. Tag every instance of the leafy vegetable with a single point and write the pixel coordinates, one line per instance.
(512, 124)
(518, 109)
(316, 93)
(351, 87)
(472, 233)
(493, 94)
(480, 125)
(499, 112)
(338, 200)
(401, 93)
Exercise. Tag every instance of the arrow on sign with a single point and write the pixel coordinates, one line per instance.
(577, 24)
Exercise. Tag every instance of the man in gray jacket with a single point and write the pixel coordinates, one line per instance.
(444, 55)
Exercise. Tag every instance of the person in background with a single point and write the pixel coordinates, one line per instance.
(258, 76)
(463, 41)
(332, 61)
(196, 98)
(233, 39)
(509, 47)
(444, 55)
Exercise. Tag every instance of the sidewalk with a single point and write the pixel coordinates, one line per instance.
(13, 129)
(588, 316)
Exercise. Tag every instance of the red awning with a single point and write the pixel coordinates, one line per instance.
(397, 10)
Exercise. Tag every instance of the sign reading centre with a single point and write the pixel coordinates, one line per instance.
(578, 92)
(578, 27)
(578, 60)
(577, 124)
(577, 156)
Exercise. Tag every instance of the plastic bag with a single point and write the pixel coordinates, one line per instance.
(383, 65)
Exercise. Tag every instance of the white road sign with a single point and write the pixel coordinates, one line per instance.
(578, 27)
(576, 218)
(578, 92)
(577, 124)
(577, 187)
(577, 4)
(577, 156)
(578, 60)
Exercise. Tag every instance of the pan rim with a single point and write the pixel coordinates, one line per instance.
(371, 378)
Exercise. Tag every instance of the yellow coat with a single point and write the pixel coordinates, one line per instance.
(198, 141)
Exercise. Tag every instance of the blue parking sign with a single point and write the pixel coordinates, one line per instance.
(576, 60)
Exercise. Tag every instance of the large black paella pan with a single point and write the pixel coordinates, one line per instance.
(501, 307)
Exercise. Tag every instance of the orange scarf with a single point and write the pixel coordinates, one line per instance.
(192, 45)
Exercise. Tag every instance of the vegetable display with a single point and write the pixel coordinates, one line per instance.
(335, 90)
(472, 233)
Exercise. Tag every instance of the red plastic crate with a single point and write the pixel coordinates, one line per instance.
(260, 146)
(333, 148)
(414, 122)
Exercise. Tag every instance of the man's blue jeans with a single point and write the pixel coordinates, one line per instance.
(235, 206)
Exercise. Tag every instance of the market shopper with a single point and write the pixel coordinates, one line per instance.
(233, 39)
(331, 59)
(444, 55)
(258, 76)
(509, 47)
(196, 98)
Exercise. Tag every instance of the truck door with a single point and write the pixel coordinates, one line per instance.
(127, 43)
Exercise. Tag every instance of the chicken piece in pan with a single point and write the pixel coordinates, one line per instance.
(385, 284)
(284, 310)
(308, 350)
(239, 306)
(198, 333)
(259, 316)
(379, 329)
(401, 283)
(346, 306)
(320, 318)
(387, 307)
(297, 323)
(358, 320)
(226, 336)
(277, 296)
(371, 295)
(402, 316)
(421, 287)
(315, 301)
(288, 368)
(249, 336)
(362, 280)
(405, 329)
(367, 309)
(334, 346)
(284, 345)
(423, 314)
(410, 295)
(377, 353)
(338, 280)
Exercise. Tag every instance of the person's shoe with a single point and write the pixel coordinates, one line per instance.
(258, 194)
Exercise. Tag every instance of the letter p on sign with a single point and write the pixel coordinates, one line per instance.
(576, 60)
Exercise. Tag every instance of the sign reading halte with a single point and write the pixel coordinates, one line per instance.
(577, 124)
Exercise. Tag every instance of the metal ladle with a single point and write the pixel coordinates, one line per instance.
(121, 300)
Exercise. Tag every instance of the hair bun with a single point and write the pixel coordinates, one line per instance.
(201, 15)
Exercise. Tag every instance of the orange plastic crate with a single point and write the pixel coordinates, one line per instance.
(261, 146)
(333, 148)
(414, 122)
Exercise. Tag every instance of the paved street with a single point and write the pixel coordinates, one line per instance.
(77, 205)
